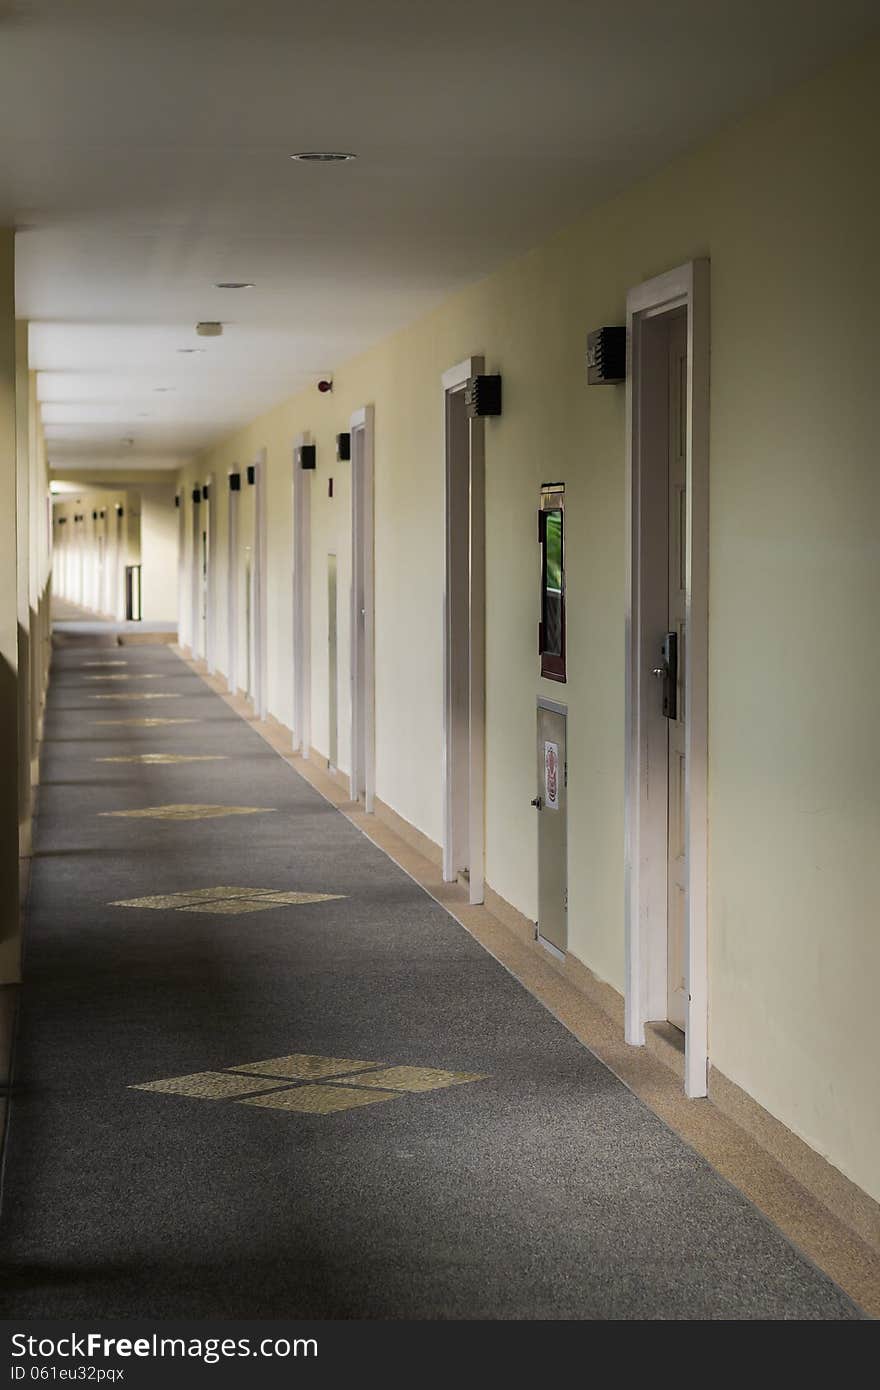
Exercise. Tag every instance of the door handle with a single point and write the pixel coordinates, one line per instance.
(536, 802)
(668, 672)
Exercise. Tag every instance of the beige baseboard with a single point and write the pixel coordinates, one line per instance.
(145, 639)
(832, 1188)
(323, 762)
(421, 843)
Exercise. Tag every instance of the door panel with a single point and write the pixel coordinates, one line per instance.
(332, 664)
(551, 804)
(676, 963)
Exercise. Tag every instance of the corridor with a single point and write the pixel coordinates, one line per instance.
(261, 1073)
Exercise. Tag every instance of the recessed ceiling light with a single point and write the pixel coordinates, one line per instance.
(233, 285)
(323, 156)
(191, 349)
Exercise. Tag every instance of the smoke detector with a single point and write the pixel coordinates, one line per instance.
(323, 156)
(209, 330)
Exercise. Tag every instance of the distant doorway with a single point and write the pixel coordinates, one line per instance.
(464, 637)
(197, 553)
(363, 770)
(232, 583)
(667, 661)
(302, 627)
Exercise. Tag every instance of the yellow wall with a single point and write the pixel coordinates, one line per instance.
(77, 574)
(786, 205)
(158, 551)
(149, 538)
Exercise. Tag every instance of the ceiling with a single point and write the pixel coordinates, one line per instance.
(145, 155)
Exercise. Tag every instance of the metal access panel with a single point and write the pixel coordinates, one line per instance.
(551, 804)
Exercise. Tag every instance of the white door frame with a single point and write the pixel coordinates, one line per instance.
(119, 561)
(645, 896)
(302, 599)
(363, 700)
(259, 582)
(195, 573)
(232, 581)
(211, 587)
(453, 381)
(182, 620)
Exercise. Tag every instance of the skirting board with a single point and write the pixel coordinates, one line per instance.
(605, 996)
(322, 761)
(855, 1208)
(408, 833)
(145, 639)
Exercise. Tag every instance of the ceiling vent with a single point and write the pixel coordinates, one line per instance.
(209, 330)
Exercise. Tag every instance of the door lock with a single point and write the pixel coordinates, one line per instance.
(536, 802)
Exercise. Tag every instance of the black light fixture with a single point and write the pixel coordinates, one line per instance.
(306, 457)
(197, 495)
(251, 474)
(103, 513)
(177, 500)
(94, 516)
(482, 396)
(120, 510)
(343, 447)
(205, 492)
(606, 357)
(235, 482)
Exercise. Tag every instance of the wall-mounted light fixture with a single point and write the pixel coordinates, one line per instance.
(197, 496)
(205, 491)
(235, 482)
(343, 447)
(606, 357)
(120, 510)
(306, 456)
(251, 474)
(482, 396)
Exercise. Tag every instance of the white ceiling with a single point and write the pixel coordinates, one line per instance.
(144, 153)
